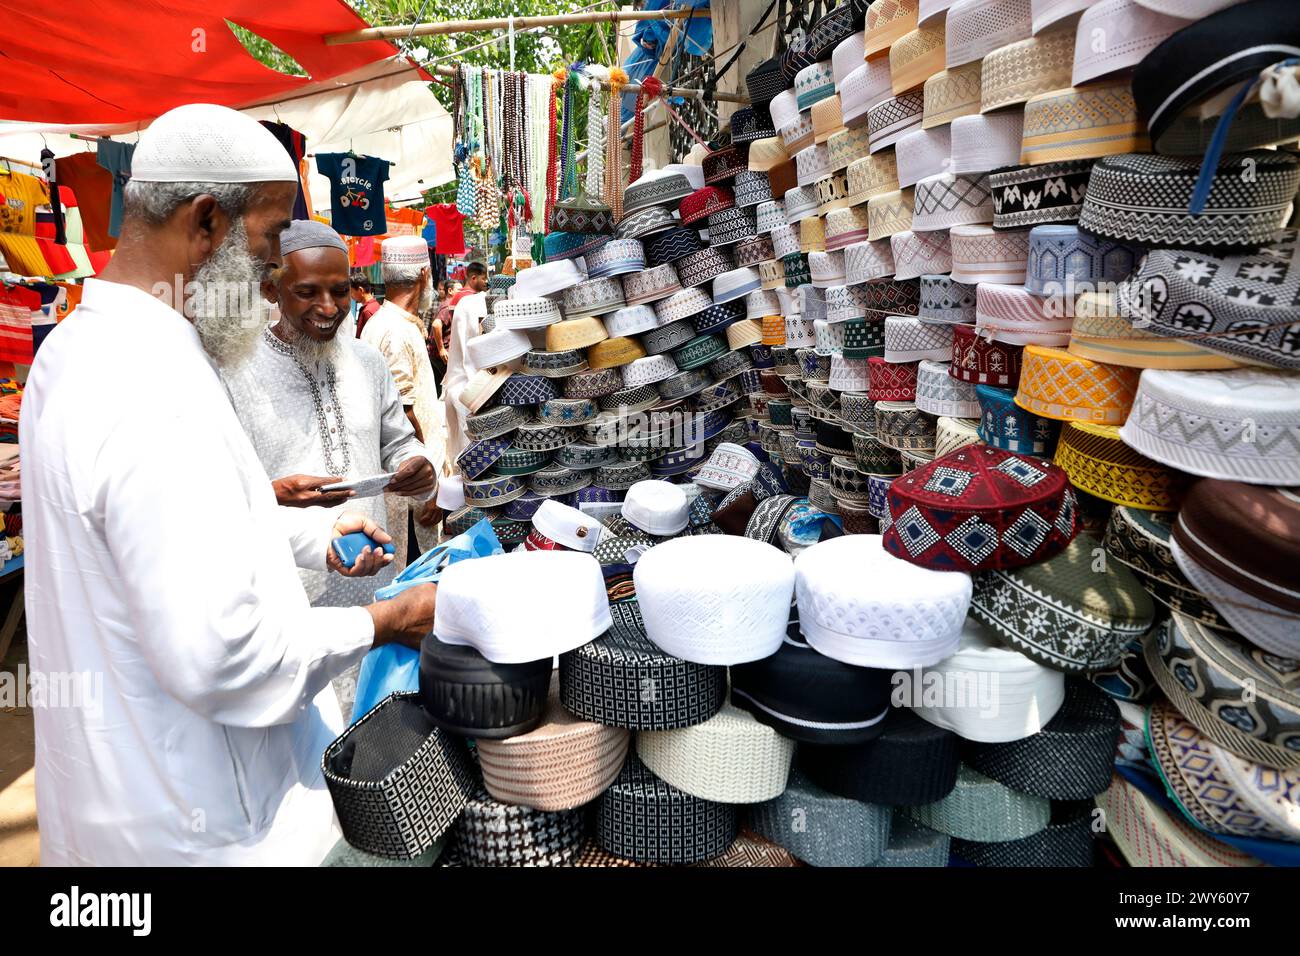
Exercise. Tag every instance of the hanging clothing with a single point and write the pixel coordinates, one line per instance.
(166, 566)
(450, 224)
(356, 192)
(295, 144)
(19, 306)
(340, 417)
(20, 196)
(92, 184)
(116, 158)
(466, 319)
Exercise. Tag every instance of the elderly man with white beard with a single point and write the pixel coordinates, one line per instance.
(158, 559)
(321, 407)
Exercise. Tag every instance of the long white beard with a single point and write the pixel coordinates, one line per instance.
(310, 349)
(229, 312)
(426, 299)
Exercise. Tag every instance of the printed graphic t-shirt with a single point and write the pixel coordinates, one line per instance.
(356, 192)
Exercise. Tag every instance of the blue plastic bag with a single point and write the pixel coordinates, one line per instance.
(394, 667)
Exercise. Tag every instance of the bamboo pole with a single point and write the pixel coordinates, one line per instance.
(636, 88)
(501, 23)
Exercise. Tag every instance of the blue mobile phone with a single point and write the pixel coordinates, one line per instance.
(348, 548)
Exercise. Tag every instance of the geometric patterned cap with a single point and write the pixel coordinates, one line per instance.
(979, 508)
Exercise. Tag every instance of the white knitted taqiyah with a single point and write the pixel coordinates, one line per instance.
(567, 526)
(862, 89)
(531, 313)
(203, 143)
(812, 164)
(976, 28)
(948, 200)
(925, 152)
(497, 347)
(908, 339)
(991, 693)
(547, 278)
(986, 141)
(557, 602)
(405, 251)
(656, 507)
(1130, 30)
(827, 268)
(938, 393)
(648, 370)
(714, 599)
(1048, 12)
(762, 303)
(730, 758)
(982, 254)
(1012, 314)
(849, 375)
(864, 261)
(921, 253)
(632, 320)
(861, 605)
(847, 57)
(729, 466)
(1237, 425)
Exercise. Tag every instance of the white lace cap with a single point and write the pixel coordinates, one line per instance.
(203, 143)
(976, 28)
(715, 599)
(986, 141)
(1131, 32)
(567, 526)
(555, 602)
(656, 507)
(861, 605)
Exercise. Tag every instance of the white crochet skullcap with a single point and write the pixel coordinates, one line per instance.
(405, 251)
(203, 143)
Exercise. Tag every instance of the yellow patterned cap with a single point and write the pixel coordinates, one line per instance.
(1098, 462)
(1056, 384)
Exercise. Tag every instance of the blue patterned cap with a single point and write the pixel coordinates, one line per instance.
(1058, 254)
(480, 456)
(1005, 425)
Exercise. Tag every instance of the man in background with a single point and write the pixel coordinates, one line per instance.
(469, 309)
(367, 304)
(398, 332)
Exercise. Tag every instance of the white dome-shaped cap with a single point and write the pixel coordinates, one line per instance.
(656, 507)
(568, 526)
(203, 143)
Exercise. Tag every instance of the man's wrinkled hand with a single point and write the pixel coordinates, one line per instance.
(303, 491)
(414, 478)
(430, 516)
(371, 560)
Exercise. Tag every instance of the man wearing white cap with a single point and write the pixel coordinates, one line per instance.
(399, 332)
(321, 407)
(188, 702)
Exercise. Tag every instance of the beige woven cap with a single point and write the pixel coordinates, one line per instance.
(1014, 73)
(575, 334)
(812, 235)
(744, 333)
(951, 94)
(730, 758)
(827, 118)
(562, 764)
(887, 22)
(916, 57)
(889, 213)
(766, 153)
(872, 176)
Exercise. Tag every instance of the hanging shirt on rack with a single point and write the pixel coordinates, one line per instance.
(18, 306)
(449, 223)
(20, 195)
(295, 144)
(116, 158)
(356, 192)
(93, 187)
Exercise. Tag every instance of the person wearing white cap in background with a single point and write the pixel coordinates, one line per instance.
(399, 332)
(165, 575)
(469, 312)
(321, 407)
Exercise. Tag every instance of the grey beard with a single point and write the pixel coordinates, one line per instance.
(426, 299)
(228, 310)
(308, 348)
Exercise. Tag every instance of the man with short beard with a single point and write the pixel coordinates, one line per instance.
(398, 331)
(158, 561)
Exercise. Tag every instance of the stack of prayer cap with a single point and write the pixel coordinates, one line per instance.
(981, 810)
(643, 818)
(821, 828)
(493, 833)
(464, 693)
(561, 764)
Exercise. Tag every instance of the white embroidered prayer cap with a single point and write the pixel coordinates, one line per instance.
(404, 251)
(656, 507)
(715, 599)
(730, 466)
(567, 526)
(861, 605)
(923, 153)
(523, 606)
(1006, 695)
(497, 347)
(987, 141)
(693, 172)
(1130, 31)
(451, 493)
(204, 143)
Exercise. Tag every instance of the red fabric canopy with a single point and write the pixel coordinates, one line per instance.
(81, 61)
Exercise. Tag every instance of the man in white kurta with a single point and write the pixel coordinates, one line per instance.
(398, 332)
(466, 323)
(158, 562)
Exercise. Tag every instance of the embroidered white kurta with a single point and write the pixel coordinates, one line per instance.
(399, 336)
(465, 324)
(159, 564)
(341, 417)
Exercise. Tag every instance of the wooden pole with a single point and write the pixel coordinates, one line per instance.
(636, 88)
(502, 23)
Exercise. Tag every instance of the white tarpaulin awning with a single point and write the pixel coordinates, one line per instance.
(385, 109)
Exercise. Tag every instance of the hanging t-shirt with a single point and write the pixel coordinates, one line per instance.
(20, 196)
(116, 158)
(430, 233)
(18, 306)
(449, 222)
(93, 186)
(356, 192)
(295, 144)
